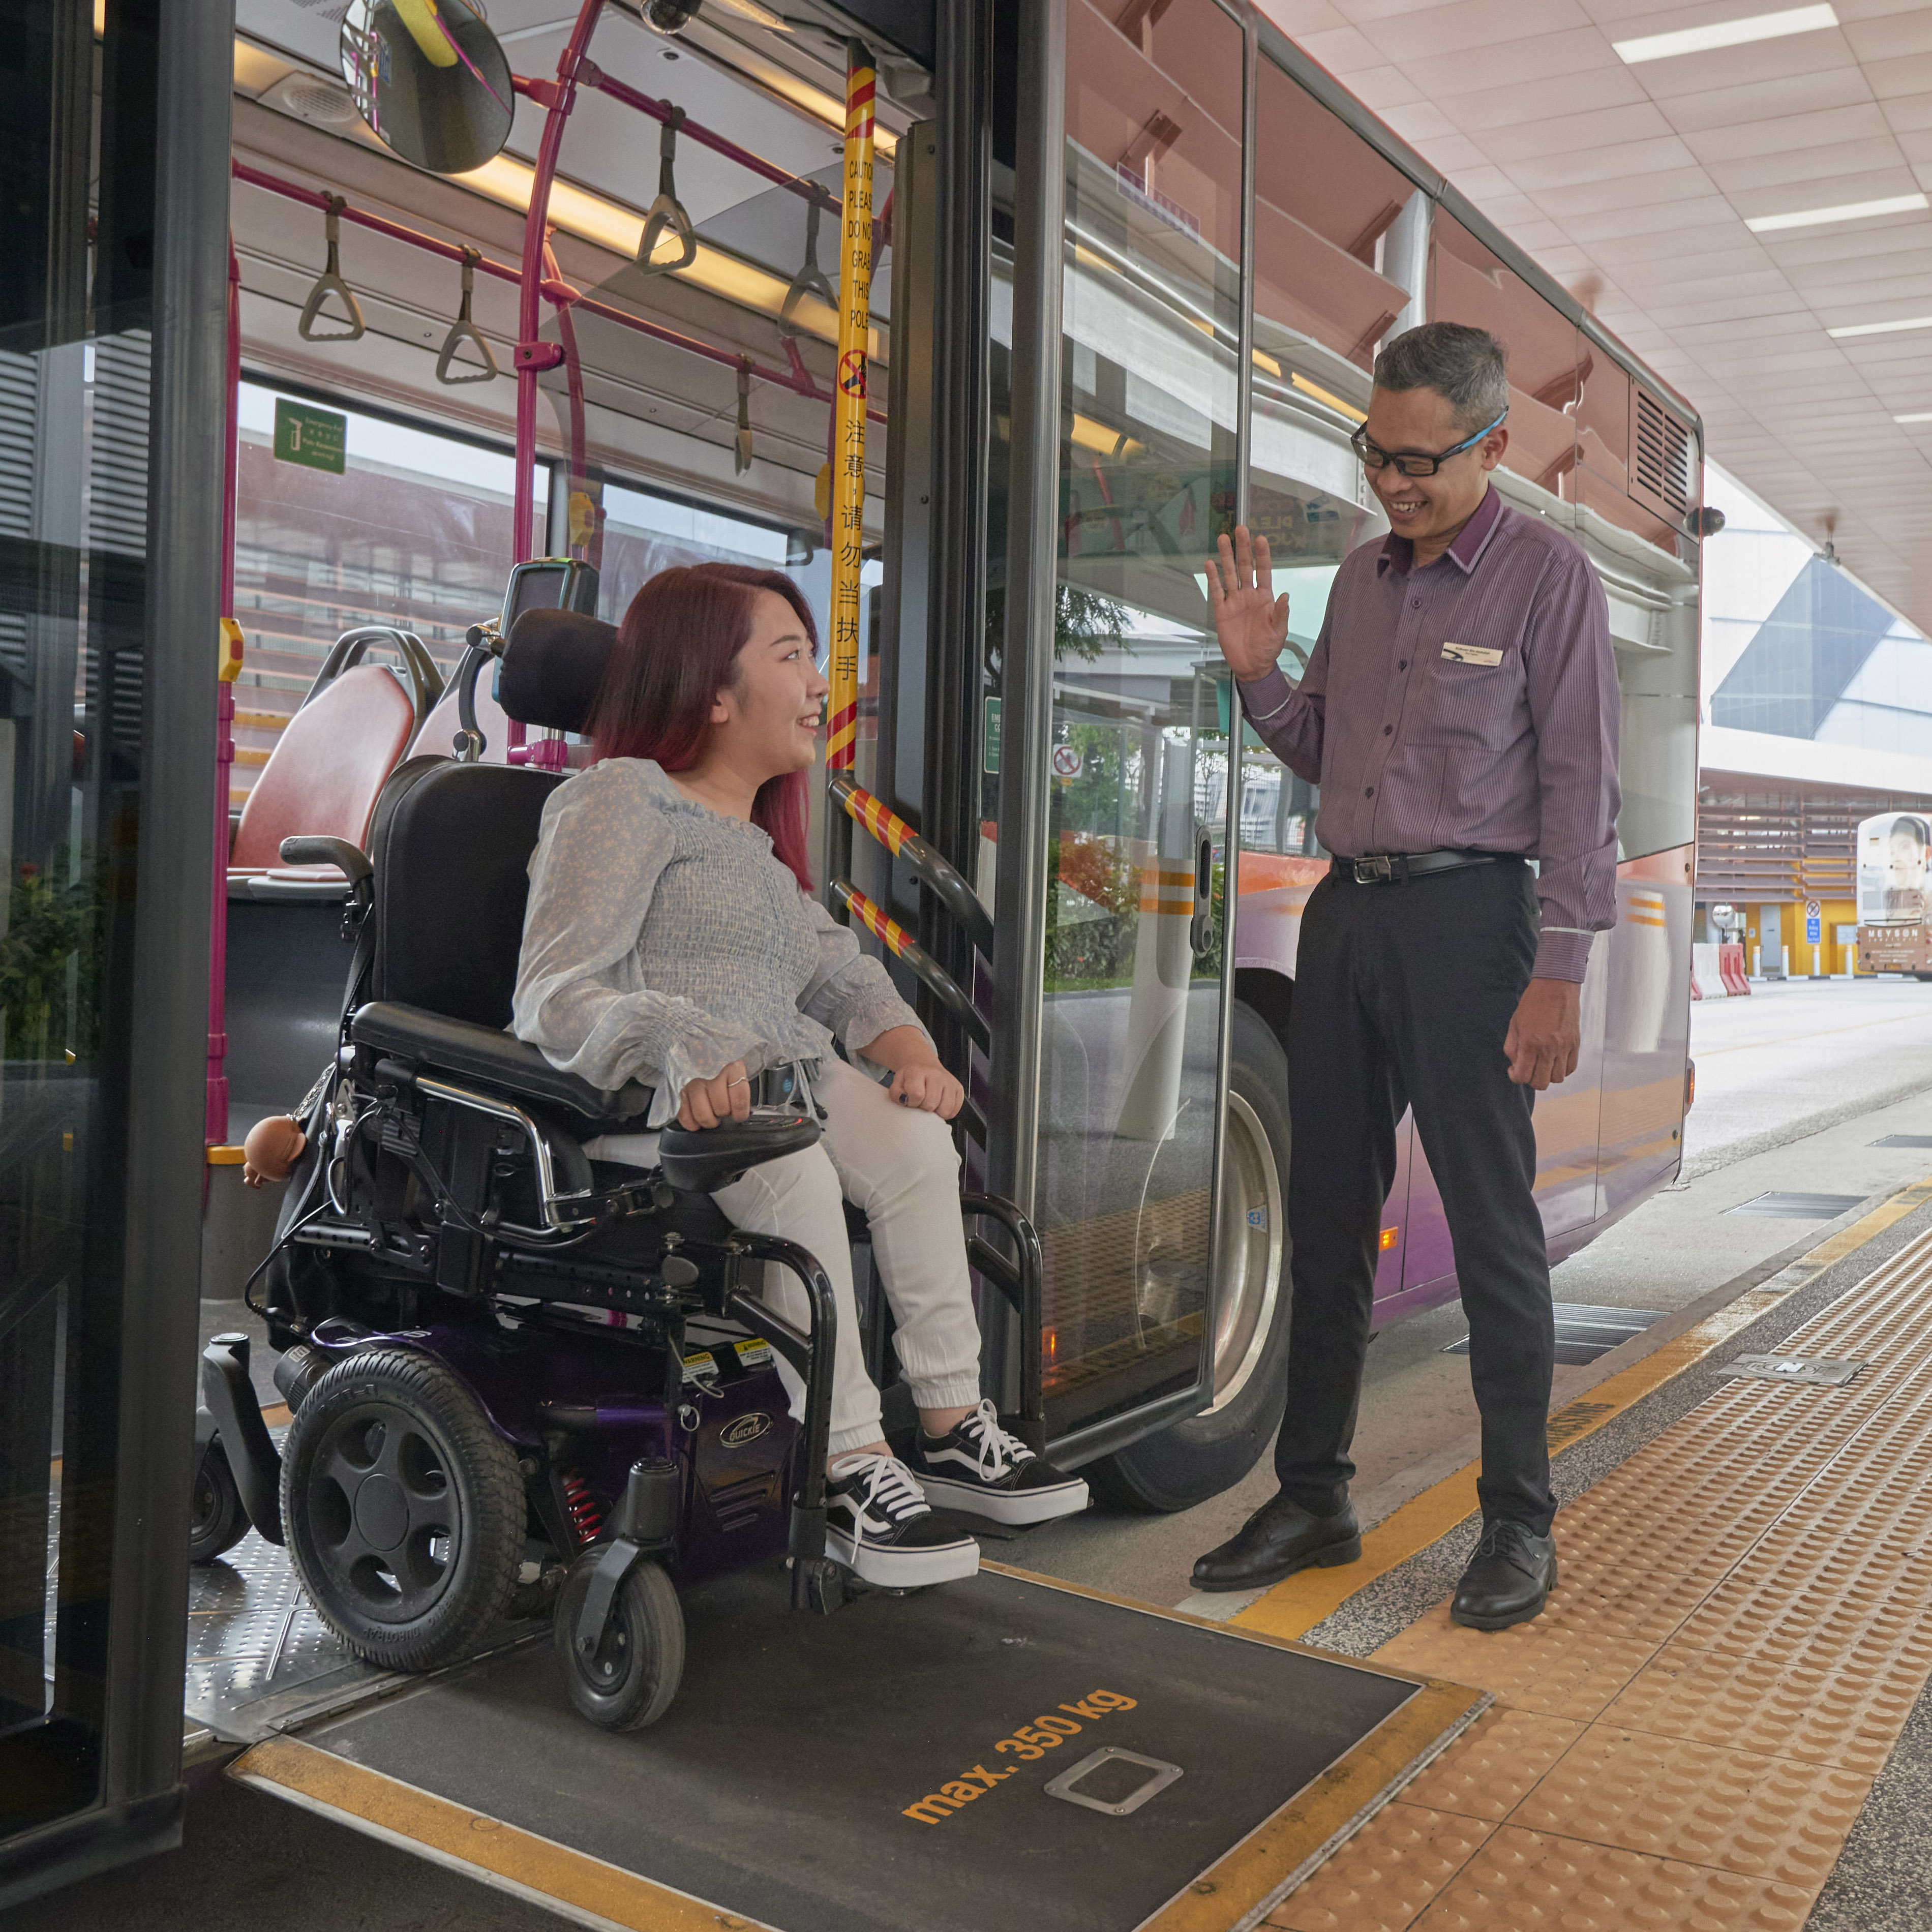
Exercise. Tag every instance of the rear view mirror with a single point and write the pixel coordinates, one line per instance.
(431, 79)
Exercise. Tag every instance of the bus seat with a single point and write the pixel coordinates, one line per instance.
(329, 766)
(414, 666)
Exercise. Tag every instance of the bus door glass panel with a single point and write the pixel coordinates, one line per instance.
(75, 419)
(1331, 220)
(1547, 362)
(1138, 791)
(1651, 577)
(1325, 203)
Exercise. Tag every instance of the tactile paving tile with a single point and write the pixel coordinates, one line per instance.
(1766, 1817)
(1686, 1735)
(1523, 1881)
(1385, 1874)
(1537, 1666)
(1494, 1763)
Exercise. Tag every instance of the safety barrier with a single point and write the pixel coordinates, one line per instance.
(1717, 972)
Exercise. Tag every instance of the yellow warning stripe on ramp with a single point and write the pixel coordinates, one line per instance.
(502, 1856)
(1296, 1605)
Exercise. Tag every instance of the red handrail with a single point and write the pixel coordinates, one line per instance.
(796, 378)
(591, 75)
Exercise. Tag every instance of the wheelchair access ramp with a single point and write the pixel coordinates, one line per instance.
(888, 1768)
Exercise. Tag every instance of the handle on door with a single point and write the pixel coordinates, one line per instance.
(1201, 928)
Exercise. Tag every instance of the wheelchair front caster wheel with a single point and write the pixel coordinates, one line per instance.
(630, 1681)
(216, 1521)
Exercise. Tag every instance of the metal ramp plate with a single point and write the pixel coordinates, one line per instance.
(882, 1768)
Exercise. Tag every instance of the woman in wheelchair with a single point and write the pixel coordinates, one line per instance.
(672, 937)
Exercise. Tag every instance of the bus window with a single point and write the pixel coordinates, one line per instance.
(411, 530)
(1136, 816)
(1315, 179)
(1469, 284)
(1327, 211)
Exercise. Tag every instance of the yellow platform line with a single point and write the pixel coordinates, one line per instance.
(504, 1857)
(1294, 1606)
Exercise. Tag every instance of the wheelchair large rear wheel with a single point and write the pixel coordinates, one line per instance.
(404, 1509)
(631, 1680)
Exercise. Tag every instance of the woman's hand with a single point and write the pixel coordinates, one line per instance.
(1250, 621)
(927, 1085)
(727, 1096)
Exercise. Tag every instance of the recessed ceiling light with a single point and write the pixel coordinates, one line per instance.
(1726, 34)
(1847, 211)
(1882, 328)
(1923, 415)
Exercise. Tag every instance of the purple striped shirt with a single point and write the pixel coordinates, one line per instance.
(1471, 703)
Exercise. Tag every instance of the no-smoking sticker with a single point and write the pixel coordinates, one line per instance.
(1066, 762)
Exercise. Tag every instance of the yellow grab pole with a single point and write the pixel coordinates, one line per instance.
(848, 420)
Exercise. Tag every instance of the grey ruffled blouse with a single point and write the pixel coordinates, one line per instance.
(663, 940)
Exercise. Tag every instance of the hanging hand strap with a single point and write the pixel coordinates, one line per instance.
(666, 215)
(463, 330)
(741, 453)
(330, 283)
(810, 280)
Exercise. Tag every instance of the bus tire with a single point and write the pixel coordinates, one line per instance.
(1191, 1460)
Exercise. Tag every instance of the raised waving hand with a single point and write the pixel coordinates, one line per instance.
(1250, 621)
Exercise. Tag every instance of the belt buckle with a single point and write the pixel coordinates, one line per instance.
(1376, 869)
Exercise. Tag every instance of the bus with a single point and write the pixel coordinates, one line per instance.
(981, 318)
(1103, 326)
(1890, 851)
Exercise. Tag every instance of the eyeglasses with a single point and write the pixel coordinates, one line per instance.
(1412, 463)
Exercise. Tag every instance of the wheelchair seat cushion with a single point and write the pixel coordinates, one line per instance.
(463, 1050)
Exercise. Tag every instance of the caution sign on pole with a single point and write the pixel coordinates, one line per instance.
(848, 408)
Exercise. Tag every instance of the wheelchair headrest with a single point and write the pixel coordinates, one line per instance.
(553, 666)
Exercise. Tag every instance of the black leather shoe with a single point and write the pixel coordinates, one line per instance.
(1509, 1579)
(1279, 1539)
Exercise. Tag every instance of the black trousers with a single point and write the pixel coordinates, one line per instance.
(1403, 996)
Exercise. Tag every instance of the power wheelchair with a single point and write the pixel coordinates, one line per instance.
(521, 1381)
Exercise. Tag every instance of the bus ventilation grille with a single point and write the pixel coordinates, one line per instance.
(1660, 456)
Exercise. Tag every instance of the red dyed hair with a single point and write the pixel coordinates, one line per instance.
(677, 650)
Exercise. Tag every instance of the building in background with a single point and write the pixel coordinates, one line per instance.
(1817, 702)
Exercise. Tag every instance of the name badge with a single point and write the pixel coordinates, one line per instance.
(1473, 654)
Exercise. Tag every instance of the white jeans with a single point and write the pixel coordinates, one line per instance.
(899, 1166)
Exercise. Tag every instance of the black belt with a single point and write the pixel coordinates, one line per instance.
(1397, 868)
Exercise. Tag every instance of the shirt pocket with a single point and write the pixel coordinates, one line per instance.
(1468, 707)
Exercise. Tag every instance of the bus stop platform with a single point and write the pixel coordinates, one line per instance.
(1710, 1726)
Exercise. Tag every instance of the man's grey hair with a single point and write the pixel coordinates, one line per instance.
(1466, 367)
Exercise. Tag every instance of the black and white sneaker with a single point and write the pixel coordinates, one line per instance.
(986, 1470)
(878, 1523)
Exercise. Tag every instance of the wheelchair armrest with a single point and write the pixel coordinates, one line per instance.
(513, 1066)
(311, 849)
(703, 1160)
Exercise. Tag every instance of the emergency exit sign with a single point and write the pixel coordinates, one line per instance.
(315, 438)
